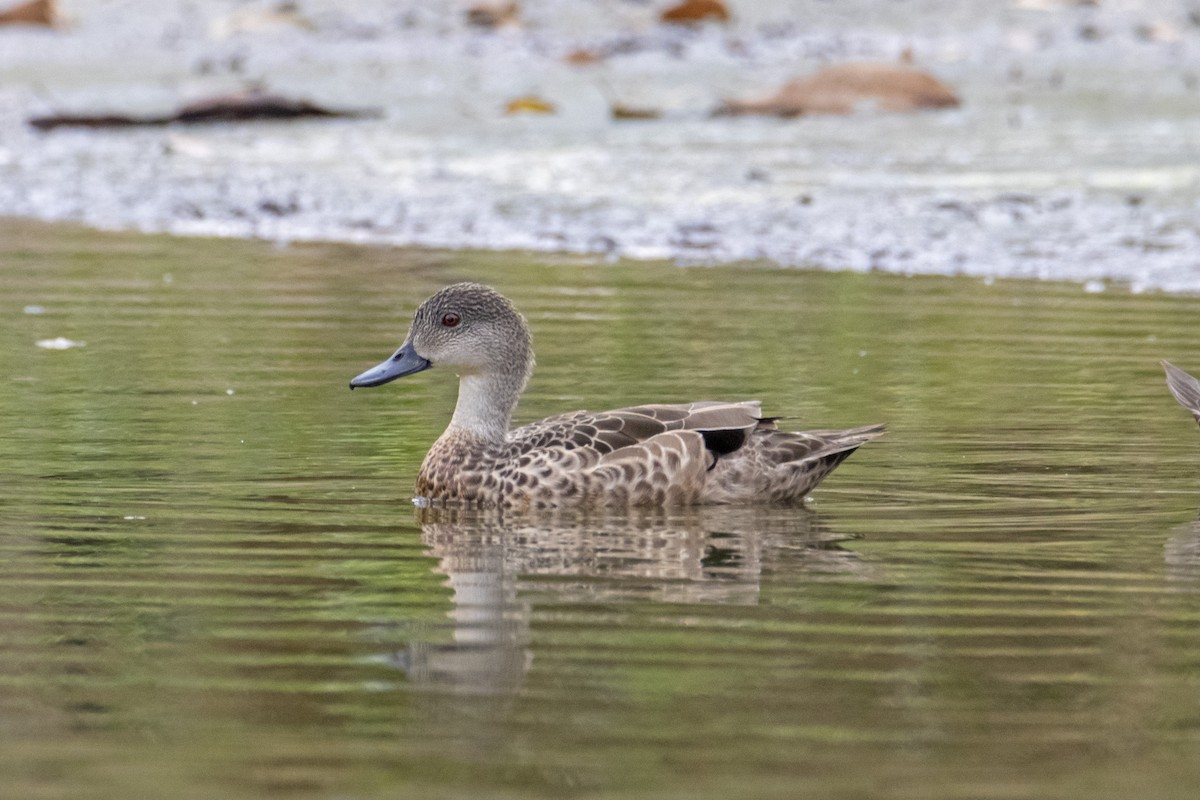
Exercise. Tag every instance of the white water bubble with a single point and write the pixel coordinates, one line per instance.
(59, 343)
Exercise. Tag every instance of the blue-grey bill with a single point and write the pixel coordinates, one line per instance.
(404, 361)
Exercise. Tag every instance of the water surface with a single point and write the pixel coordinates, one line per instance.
(214, 583)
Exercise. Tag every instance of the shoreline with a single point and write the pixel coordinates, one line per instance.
(1073, 156)
(24, 230)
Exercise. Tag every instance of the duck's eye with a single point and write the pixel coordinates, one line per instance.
(450, 320)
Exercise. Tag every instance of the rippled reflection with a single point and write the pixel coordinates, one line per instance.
(214, 584)
(1182, 553)
(703, 555)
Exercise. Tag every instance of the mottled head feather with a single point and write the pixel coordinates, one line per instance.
(475, 331)
(490, 334)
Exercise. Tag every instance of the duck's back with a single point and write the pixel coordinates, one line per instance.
(702, 452)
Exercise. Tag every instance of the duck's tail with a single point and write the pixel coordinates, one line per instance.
(1185, 388)
(849, 439)
(805, 458)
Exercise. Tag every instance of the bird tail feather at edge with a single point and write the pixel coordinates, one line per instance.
(848, 439)
(1185, 388)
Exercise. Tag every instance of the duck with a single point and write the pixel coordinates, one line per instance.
(684, 454)
(1185, 387)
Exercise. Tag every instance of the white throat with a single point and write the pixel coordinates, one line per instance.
(485, 405)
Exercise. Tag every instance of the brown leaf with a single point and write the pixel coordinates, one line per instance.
(529, 105)
(583, 58)
(622, 111)
(847, 88)
(494, 15)
(693, 11)
(33, 12)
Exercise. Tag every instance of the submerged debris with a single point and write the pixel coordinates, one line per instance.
(847, 88)
(238, 107)
(33, 12)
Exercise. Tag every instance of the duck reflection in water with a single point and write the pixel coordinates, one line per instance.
(500, 567)
(1182, 551)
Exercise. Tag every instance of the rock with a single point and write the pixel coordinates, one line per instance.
(494, 15)
(1158, 31)
(583, 58)
(258, 20)
(691, 12)
(1051, 5)
(34, 12)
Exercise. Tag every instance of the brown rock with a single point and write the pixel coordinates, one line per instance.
(583, 58)
(847, 88)
(494, 15)
(690, 12)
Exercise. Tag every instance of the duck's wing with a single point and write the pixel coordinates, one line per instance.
(681, 466)
(669, 468)
(1185, 388)
(696, 452)
(725, 427)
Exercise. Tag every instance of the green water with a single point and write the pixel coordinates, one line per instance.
(213, 583)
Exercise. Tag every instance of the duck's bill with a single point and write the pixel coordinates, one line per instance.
(404, 361)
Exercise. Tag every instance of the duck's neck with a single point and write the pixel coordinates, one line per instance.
(485, 405)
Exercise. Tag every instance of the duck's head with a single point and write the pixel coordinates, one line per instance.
(469, 327)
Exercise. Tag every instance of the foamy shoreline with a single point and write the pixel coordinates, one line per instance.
(1075, 156)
